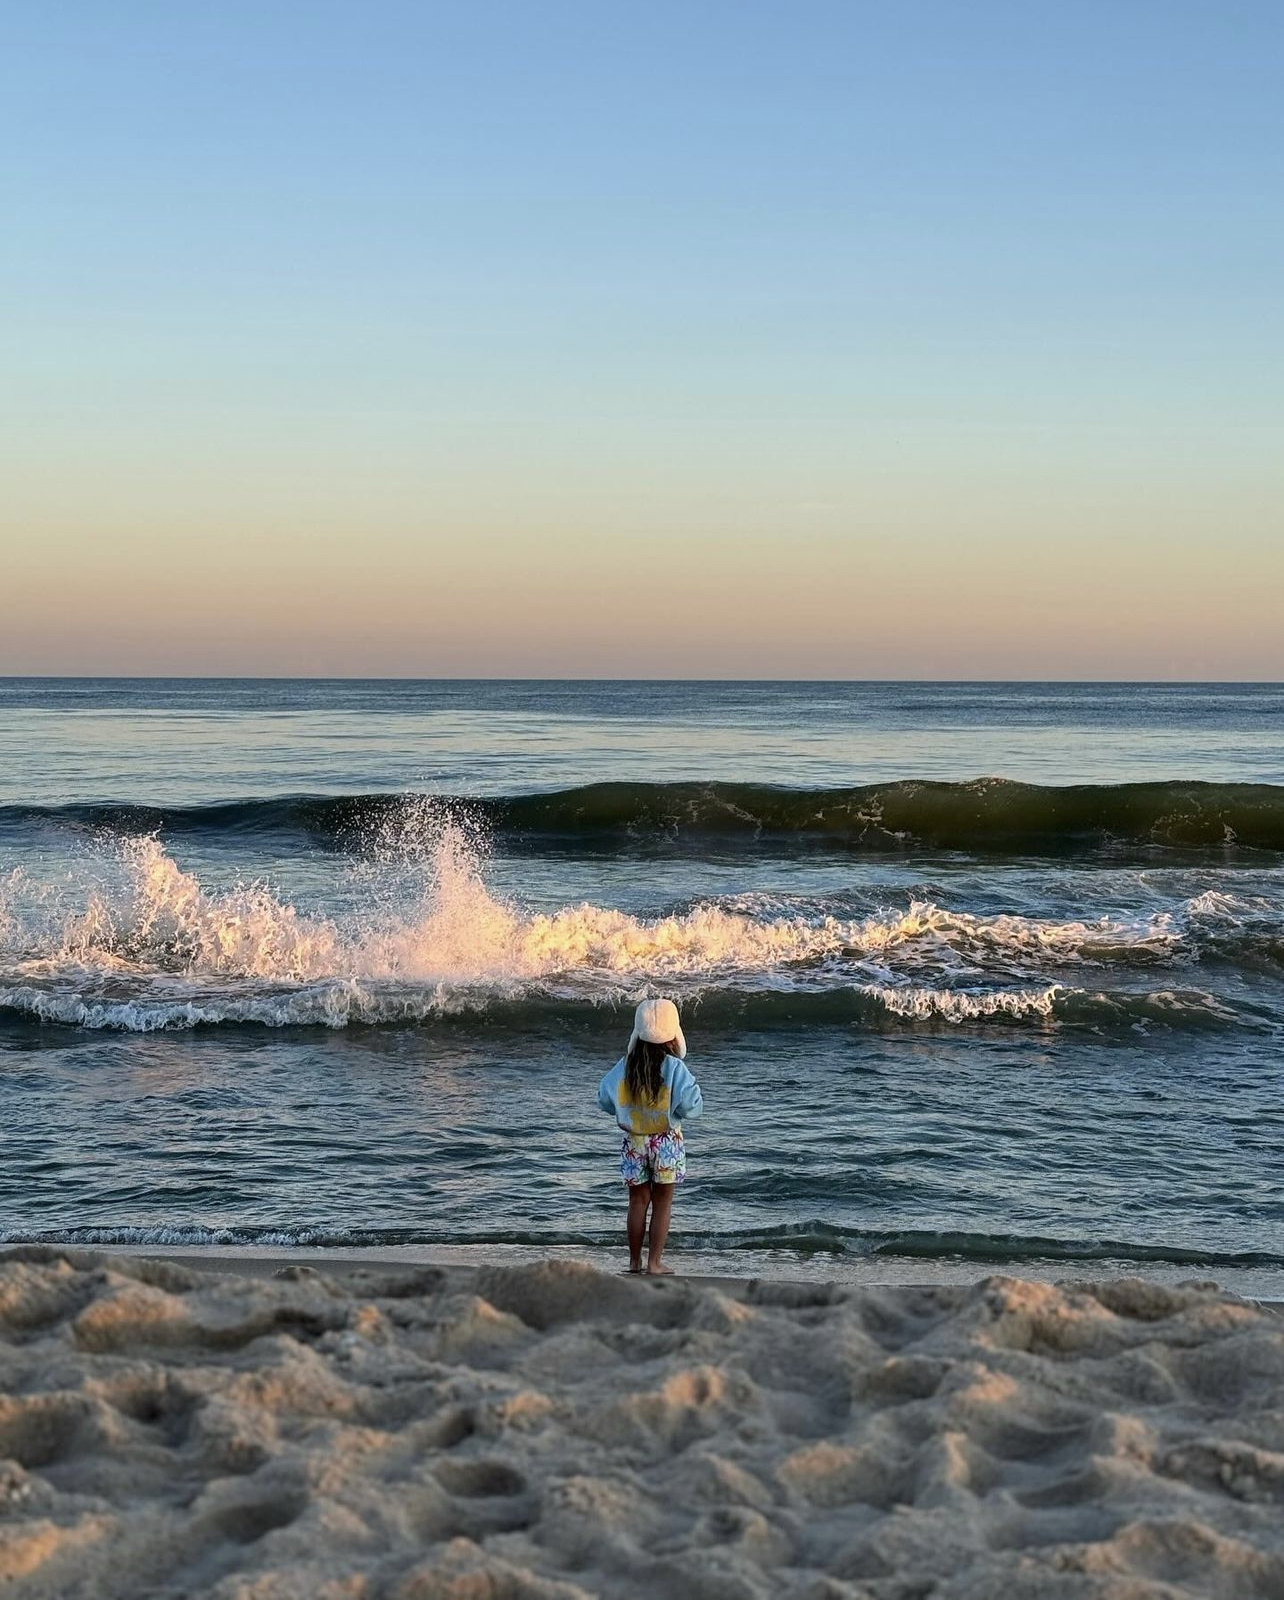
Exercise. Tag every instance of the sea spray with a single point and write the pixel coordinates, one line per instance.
(426, 912)
(132, 940)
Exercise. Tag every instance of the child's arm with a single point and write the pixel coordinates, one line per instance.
(605, 1100)
(685, 1100)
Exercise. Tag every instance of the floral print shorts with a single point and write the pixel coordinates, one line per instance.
(654, 1159)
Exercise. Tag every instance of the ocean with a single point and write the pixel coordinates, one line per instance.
(974, 976)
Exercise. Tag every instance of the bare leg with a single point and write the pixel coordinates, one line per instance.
(639, 1201)
(661, 1211)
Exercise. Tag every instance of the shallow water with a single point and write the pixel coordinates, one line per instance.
(343, 962)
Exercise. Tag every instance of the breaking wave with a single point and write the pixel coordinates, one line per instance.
(132, 941)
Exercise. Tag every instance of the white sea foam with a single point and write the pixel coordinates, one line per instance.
(954, 1006)
(133, 941)
(451, 927)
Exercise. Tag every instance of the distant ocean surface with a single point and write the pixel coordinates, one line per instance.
(972, 974)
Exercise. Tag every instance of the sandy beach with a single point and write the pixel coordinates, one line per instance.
(554, 1431)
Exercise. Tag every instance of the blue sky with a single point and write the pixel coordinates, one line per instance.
(365, 338)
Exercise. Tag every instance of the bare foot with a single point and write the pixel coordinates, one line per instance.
(635, 1268)
(658, 1268)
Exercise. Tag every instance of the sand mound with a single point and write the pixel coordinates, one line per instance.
(556, 1432)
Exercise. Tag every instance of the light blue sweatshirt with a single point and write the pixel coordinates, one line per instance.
(679, 1098)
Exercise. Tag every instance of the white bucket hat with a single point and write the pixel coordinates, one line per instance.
(657, 1021)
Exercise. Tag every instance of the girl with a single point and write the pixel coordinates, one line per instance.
(648, 1093)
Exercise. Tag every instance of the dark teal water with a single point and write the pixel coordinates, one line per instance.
(971, 973)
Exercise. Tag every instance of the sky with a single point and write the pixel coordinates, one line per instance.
(915, 339)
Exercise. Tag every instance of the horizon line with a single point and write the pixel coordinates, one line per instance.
(471, 678)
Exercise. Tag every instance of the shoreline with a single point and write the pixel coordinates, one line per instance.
(847, 1271)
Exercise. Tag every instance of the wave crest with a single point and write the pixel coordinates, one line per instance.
(133, 941)
(987, 814)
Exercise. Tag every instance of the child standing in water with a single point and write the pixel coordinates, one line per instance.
(648, 1093)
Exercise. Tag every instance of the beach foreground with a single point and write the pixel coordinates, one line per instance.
(554, 1431)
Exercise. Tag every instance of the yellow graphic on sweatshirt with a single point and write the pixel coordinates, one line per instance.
(646, 1117)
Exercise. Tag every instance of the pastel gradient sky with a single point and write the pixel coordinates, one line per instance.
(912, 339)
